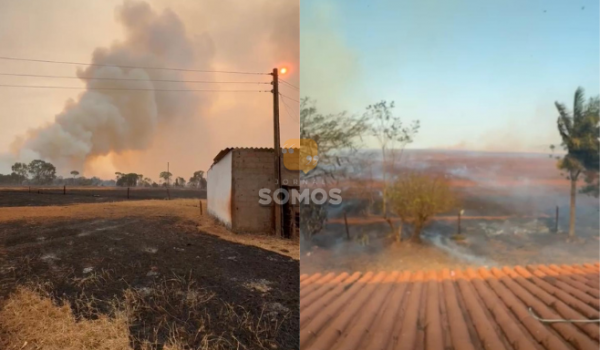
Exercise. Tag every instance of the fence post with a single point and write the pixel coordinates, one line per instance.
(65, 189)
(346, 224)
(200, 205)
(127, 192)
(556, 221)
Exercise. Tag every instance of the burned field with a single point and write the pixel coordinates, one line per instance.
(58, 195)
(510, 205)
(180, 277)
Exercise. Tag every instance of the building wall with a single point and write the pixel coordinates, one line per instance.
(219, 192)
(254, 169)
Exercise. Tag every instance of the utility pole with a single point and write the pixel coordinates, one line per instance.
(278, 207)
(168, 181)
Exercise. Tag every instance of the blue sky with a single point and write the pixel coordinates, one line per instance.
(478, 74)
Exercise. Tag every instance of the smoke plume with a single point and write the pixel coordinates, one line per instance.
(105, 129)
(101, 121)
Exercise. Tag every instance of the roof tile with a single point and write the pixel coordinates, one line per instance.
(436, 310)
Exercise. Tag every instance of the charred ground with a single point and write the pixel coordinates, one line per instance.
(509, 203)
(182, 273)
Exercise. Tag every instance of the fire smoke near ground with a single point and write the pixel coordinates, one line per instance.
(103, 121)
(103, 131)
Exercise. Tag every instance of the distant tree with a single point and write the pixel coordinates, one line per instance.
(166, 176)
(417, 198)
(180, 182)
(154, 184)
(20, 169)
(11, 179)
(42, 172)
(75, 173)
(129, 180)
(197, 180)
(392, 136)
(146, 182)
(579, 132)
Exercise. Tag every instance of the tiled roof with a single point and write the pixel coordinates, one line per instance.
(461, 310)
(223, 152)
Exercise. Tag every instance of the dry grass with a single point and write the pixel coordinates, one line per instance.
(32, 319)
(186, 209)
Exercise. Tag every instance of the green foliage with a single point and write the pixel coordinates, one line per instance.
(75, 173)
(197, 180)
(165, 175)
(129, 180)
(180, 182)
(417, 198)
(580, 132)
(337, 136)
(20, 169)
(42, 173)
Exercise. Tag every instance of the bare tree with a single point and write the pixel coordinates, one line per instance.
(392, 137)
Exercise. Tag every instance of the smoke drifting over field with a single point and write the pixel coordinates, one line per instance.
(102, 131)
(103, 121)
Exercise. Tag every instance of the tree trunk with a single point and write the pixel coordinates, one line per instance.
(572, 209)
(416, 236)
(399, 236)
(384, 200)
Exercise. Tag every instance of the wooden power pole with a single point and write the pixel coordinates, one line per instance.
(277, 149)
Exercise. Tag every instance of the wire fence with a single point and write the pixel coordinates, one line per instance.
(107, 192)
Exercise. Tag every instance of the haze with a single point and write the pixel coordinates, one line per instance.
(100, 132)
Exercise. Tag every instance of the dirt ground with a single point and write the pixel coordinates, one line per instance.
(483, 242)
(164, 252)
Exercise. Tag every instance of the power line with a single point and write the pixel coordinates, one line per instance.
(125, 89)
(128, 67)
(132, 79)
(289, 98)
(285, 82)
(289, 114)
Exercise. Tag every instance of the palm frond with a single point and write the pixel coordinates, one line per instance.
(579, 104)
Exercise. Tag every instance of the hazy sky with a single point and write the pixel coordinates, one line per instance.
(223, 34)
(478, 74)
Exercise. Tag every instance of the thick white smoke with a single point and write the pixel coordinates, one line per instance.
(114, 120)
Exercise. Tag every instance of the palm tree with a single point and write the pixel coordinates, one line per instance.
(579, 132)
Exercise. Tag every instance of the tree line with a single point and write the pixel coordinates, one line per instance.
(40, 172)
(197, 180)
